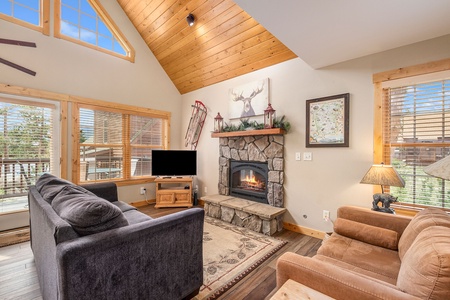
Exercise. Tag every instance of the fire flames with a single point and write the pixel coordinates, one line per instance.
(250, 182)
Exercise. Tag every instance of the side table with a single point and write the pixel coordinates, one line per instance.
(292, 290)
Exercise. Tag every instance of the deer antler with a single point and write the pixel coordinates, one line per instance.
(237, 97)
(256, 92)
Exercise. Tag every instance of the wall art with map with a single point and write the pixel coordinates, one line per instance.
(327, 121)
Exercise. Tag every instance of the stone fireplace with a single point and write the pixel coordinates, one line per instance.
(267, 149)
(251, 166)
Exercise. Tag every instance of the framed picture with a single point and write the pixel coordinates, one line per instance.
(327, 121)
(249, 100)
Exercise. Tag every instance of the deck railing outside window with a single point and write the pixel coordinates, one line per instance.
(16, 176)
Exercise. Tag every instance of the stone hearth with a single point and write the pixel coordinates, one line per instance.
(255, 216)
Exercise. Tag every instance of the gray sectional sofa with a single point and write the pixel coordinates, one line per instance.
(89, 245)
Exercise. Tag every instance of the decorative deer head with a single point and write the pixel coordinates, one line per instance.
(247, 110)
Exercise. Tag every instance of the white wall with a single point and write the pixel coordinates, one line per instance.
(68, 68)
(332, 178)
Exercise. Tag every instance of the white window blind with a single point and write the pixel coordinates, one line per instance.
(27, 131)
(146, 134)
(416, 133)
(117, 144)
(101, 147)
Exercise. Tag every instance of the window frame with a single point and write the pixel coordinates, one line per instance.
(105, 17)
(55, 107)
(44, 19)
(126, 112)
(382, 78)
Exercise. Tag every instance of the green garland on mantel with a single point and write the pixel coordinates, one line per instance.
(247, 125)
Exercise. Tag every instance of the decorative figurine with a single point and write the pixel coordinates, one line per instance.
(386, 201)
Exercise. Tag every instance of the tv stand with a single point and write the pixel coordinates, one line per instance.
(173, 192)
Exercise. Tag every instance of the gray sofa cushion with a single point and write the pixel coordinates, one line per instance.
(87, 213)
(134, 217)
(49, 186)
(123, 206)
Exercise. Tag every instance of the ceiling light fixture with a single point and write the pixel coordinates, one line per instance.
(190, 19)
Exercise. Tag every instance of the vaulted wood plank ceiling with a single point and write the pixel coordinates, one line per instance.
(224, 42)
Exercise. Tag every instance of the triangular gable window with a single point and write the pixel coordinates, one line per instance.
(86, 22)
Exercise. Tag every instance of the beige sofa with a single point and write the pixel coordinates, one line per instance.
(373, 255)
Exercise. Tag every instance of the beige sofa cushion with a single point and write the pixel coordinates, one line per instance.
(366, 233)
(424, 219)
(425, 268)
(360, 257)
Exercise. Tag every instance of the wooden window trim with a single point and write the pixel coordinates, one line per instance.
(105, 17)
(125, 110)
(44, 17)
(88, 103)
(68, 100)
(32, 93)
(378, 79)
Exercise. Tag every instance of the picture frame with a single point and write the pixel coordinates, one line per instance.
(248, 100)
(327, 121)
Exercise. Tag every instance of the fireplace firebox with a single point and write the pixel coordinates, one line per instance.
(248, 180)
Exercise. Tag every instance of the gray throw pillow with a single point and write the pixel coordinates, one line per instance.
(86, 213)
(49, 186)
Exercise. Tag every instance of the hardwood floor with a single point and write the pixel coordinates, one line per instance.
(18, 279)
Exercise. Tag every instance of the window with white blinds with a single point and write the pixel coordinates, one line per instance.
(117, 145)
(101, 147)
(27, 143)
(416, 133)
(146, 133)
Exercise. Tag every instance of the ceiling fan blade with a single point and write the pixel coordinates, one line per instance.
(17, 43)
(17, 67)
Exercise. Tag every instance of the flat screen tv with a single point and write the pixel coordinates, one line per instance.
(174, 163)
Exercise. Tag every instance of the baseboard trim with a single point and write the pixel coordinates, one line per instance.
(143, 203)
(304, 230)
(14, 236)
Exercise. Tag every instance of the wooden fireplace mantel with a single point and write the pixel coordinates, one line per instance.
(272, 131)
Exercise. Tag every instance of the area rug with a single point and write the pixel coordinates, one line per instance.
(229, 254)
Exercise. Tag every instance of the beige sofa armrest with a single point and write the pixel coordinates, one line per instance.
(374, 218)
(333, 281)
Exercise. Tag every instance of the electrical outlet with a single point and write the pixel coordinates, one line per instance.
(307, 156)
(142, 190)
(326, 215)
(206, 189)
(297, 156)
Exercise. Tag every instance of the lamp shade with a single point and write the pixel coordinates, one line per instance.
(383, 175)
(440, 169)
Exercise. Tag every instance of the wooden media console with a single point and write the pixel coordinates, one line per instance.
(173, 192)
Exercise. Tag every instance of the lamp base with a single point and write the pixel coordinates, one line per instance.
(385, 200)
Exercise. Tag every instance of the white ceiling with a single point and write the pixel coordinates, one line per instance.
(326, 32)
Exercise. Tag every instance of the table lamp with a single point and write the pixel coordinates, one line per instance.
(383, 175)
(439, 169)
